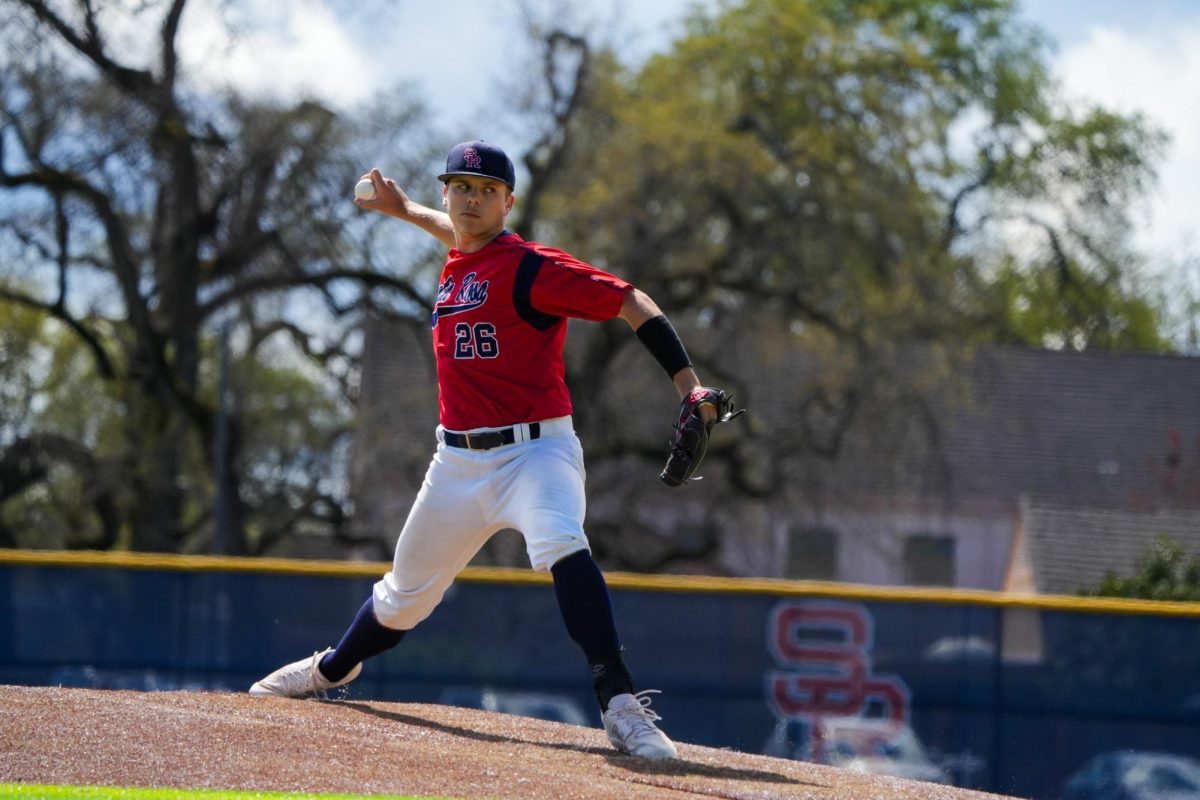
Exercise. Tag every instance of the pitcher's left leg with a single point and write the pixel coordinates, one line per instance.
(547, 494)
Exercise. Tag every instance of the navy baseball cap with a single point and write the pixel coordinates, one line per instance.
(480, 158)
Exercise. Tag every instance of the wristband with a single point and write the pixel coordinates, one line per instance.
(660, 338)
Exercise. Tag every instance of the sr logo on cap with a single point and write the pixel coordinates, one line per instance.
(480, 158)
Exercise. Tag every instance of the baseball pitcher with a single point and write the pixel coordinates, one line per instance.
(507, 455)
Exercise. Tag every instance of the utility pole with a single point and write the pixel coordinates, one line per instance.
(222, 505)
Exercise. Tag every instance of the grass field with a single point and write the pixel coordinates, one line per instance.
(34, 791)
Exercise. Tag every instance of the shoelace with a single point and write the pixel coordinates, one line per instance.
(293, 681)
(642, 717)
(315, 679)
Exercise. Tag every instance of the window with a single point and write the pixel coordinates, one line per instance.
(929, 560)
(813, 554)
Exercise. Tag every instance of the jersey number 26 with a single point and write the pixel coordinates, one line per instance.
(475, 341)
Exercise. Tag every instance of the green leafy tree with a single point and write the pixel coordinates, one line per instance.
(1070, 190)
(826, 181)
(55, 487)
(835, 202)
(1165, 572)
(841, 167)
(64, 475)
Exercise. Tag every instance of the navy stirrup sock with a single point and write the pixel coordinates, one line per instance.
(366, 637)
(587, 610)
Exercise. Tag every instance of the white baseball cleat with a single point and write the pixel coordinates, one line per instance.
(301, 679)
(629, 723)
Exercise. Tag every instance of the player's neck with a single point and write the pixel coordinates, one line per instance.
(474, 242)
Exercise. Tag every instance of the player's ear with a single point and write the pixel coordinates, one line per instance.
(508, 202)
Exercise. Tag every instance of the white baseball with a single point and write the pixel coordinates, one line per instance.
(364, 189)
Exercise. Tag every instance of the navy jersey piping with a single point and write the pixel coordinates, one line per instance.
(527, 270)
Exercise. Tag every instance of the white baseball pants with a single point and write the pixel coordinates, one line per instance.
(533, 486)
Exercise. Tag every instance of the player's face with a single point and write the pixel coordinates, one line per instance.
(477, 206)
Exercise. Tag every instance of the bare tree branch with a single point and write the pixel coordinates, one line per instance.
(546, 154)
(124, 261)
(136, 83)
(954, 226)
(276, 283)
(170, 29)
(57, 310)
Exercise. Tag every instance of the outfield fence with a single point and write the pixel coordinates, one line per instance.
(1007, 694)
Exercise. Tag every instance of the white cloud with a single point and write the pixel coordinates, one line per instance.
(1156, 72)
(278, 50)
(303, 47)
(458, 53)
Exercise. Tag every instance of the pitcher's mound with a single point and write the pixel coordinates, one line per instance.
(195, 740)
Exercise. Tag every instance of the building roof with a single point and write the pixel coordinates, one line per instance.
(1087, 429)
(1069, 548)
(986, 428)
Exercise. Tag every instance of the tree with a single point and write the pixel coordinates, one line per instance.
(1165, 572)
(825, 192)
(143, 215)
(838, 201)
(53, 489)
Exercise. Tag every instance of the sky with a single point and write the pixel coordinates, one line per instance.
(1140, 57)
(1128, 56)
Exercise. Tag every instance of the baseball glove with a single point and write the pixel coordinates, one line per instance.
(691, 433)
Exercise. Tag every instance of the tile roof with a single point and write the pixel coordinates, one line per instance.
(1096, 429)
(1072, 548)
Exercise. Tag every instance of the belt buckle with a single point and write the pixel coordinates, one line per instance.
(484, 441)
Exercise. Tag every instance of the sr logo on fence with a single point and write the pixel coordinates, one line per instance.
(823, 654)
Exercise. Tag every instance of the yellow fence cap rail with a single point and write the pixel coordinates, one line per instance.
(700, 584)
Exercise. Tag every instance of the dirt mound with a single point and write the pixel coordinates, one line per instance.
(235, 741)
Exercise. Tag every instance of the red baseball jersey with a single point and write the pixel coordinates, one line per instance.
(499, 326)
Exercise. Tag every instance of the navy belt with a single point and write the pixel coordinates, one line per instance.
(488, 439)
